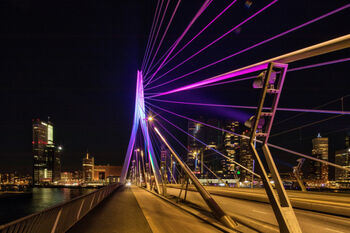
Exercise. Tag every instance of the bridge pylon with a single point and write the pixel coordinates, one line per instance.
(140, 121)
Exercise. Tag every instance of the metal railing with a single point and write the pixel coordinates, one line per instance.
(59, 218)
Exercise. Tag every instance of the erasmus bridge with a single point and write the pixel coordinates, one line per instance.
(158, 196)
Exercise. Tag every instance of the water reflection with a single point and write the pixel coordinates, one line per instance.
(15, 207)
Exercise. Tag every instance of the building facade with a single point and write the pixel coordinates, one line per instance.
(246, 157)
(88, 168)
(231, 148)
(46, 155)
(342, 158)
(319, 171)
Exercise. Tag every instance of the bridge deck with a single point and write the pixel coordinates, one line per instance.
(136, 210)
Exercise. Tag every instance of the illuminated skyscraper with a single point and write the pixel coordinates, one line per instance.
(246, 157)
(320, 151)
(231, 149)
(342, 158)
(88, 168)
(43, 152)
(194, 147)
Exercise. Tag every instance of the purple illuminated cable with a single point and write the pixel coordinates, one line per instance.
(320, 64)
(200, 11)
(259, 141)
(153, 34)
(253, 107)
(216, 40)
(186, 149)
(164, 34)
(156, 37)
(289, 70)
(216, 79)
(149, 38)
(199, 33)
(207, 146)
(209, 85)
(154, 23)
(159, 60)
(254, 46)
(190, 119)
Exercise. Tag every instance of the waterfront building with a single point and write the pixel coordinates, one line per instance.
(88, 168)
(46, 155)
(107, 173)
(319, 171)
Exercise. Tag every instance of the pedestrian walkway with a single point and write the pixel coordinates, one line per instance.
(118, 213)
(131, 210)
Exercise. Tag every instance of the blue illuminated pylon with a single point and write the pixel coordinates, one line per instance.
(141, 120)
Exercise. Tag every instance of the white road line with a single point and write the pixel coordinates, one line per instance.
(334, 230)
(257, 211)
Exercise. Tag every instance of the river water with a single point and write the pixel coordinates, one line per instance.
(12, 208)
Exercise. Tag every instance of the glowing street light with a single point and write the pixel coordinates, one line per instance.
(150, 118)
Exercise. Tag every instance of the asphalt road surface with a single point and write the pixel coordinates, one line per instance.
(309, 221)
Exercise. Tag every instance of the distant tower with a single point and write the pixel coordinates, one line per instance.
(231, 149)
(43, 151)
(88, 168)
(320, 151)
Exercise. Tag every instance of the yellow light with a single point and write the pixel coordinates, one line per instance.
(150, 118)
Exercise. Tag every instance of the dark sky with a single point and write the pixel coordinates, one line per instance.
(76, 62)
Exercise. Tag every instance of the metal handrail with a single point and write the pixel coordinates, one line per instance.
(61, 217)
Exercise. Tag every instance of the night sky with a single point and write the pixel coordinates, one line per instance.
(76, 62)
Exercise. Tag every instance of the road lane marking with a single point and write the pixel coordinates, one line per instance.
(257, 211)
(334, 230)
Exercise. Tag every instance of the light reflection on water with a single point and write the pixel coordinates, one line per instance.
(12, 208)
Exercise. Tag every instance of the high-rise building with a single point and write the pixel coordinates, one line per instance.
(194, 147)
(319, 171)
(88, 168)
(342, 158)
(164, 154)
(46, 156)
(231, 149)
(246, 157)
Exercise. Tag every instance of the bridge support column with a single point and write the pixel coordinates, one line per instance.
(215, 208)
(272, 80)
